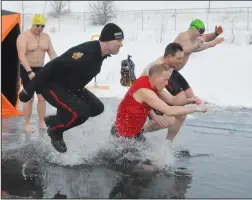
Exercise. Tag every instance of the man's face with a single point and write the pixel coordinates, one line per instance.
(198, 32)
(176, 60)
(38, 28)
(114, 46)
(161, 80)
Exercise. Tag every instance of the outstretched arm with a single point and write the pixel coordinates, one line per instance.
(212, 36)
(205, 46)
(150, 98)
(211, 44)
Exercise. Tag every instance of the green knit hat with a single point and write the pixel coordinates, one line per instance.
(197, 24)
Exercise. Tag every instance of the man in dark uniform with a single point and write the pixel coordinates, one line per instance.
(62, 82)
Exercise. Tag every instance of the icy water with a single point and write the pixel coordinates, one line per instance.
(219, 141)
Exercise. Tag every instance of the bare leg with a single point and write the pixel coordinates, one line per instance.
(152, 126)
(27, 109)
(41, 108)
(174, 128)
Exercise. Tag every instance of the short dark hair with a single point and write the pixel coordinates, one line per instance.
(172, 48)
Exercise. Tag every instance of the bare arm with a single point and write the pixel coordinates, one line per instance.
(179, 100)
(22, 48)
(150, 98)
(51, 52)
(211, 44)
(212, 36)
(209, 36)
(205, 46)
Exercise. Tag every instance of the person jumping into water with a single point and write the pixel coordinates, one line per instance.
(62, 80)
(191, 41)
(145, 94)
(173, 56)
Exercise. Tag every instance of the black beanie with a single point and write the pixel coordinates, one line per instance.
(111, 32)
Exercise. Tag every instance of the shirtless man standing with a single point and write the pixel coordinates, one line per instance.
(32, 45)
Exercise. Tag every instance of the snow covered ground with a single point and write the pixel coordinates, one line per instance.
(221, 75)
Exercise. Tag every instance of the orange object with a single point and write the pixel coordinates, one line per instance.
(10, 64)
(104, 87)
(94, 36)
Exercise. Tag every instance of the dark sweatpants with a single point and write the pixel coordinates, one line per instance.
(73, 109)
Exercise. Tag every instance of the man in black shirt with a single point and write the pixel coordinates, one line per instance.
(62, 82)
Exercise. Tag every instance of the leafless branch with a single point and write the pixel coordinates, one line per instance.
(102, 12)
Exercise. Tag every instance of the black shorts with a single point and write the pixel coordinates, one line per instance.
(177, 83)
(24, 76)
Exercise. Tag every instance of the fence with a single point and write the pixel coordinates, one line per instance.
(146, 20)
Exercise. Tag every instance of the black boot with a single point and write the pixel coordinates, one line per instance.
(57, 140)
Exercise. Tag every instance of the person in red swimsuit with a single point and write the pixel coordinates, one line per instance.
(144, 95)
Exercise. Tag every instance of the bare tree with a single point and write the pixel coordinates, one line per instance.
(102, 12)
(58, 10)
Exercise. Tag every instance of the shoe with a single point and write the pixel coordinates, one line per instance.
(57, 140)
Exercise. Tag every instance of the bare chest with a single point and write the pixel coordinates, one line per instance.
(36, 43)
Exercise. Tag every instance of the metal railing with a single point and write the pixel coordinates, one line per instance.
(237, 18)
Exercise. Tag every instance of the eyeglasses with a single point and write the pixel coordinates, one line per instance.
(38, 25)
(201, 30)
